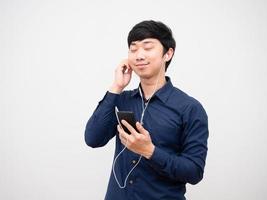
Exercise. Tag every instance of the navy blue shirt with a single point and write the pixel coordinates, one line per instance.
(178, 126)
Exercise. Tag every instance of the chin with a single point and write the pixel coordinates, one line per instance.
(144, 75)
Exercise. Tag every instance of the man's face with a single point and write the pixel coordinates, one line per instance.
(146, 57)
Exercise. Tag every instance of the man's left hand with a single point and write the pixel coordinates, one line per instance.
(139, 143)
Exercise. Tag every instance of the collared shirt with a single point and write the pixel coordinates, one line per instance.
(178, 126)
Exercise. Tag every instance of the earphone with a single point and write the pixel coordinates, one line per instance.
(167, 56)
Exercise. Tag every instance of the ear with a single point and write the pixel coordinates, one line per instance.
(168, 54)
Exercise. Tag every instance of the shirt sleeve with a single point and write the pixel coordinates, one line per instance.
(188, 165)
(101, 126)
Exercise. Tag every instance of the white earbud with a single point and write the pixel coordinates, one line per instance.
(166, 56)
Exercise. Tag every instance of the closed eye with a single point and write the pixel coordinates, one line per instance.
(148, 48)
(133, 50)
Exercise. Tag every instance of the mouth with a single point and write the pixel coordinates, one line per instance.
(141, 65)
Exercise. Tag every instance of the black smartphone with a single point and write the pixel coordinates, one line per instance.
(127, 116)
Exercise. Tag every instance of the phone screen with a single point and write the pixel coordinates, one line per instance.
(127, 116)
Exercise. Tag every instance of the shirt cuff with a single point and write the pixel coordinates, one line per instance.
(158, 158)
(110, 99)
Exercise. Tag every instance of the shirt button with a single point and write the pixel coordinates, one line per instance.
(131, 181)
(133, 161)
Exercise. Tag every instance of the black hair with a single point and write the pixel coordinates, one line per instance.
(156, 30)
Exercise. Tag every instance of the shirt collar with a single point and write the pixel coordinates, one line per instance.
(163, 93)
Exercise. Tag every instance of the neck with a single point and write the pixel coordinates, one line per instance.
(148, 85)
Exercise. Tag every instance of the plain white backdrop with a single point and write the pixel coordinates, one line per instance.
(57, 59)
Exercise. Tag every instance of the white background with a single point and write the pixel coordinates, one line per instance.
(57, 59)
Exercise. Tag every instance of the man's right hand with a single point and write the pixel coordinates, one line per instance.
(123, 74)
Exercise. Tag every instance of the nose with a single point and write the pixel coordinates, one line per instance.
(140, 55)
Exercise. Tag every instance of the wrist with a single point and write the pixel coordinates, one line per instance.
(115, 89)
(149, 151)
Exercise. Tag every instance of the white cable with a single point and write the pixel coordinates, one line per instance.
(141, 121)
(113, 168)
(115, 160)
(154, 91)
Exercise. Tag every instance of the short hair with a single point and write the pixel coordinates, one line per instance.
(156, 30)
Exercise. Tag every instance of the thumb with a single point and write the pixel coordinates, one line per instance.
(141, 129)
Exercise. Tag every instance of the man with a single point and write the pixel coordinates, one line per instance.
(169, 147)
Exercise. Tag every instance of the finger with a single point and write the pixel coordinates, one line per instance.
(123, 139)
(124, 69)
(124, 142)
(141, 129)
(125, 63)
(122, 133)
(120, 130)
(130, 128)
(123, 66)
(129, 71)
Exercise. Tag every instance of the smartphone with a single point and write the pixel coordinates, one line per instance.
(127, 116)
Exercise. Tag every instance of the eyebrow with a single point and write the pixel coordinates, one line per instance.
(144, 42)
